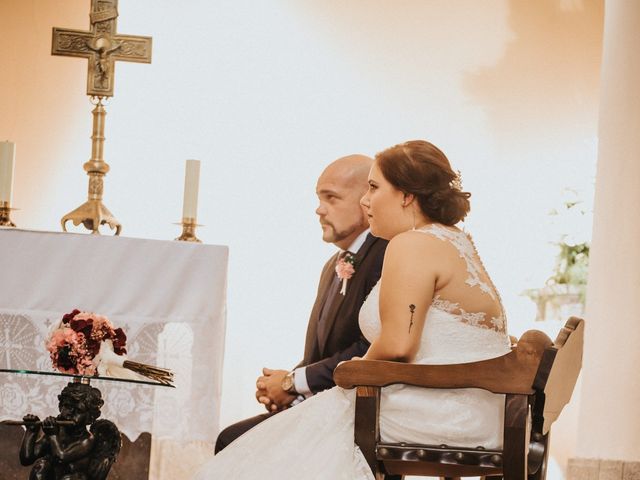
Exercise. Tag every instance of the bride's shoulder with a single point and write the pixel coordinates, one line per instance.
(415, 242)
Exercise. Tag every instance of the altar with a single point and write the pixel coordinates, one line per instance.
(170, 299)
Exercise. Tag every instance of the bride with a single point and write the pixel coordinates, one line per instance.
(434, 304)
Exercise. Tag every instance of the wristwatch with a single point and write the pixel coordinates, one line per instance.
(289, 384)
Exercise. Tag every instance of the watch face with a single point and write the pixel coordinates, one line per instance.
(287, 383)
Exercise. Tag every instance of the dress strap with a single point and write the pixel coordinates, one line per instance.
(467, 251)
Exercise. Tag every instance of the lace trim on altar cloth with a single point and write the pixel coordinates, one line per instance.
(466, 250)
(470, 318)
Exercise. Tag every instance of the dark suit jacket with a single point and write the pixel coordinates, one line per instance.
(343, 337)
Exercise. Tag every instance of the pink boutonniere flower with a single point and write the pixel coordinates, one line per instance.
(345, 268)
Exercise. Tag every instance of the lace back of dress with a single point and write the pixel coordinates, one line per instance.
(477, 277)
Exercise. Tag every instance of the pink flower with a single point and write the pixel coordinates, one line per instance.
(65, 347)
(101, 326)
(344, 269)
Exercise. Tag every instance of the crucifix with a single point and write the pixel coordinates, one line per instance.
(102, 46)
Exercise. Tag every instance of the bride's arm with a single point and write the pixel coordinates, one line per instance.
(409, 276)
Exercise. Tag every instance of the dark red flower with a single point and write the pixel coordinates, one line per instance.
(77, 325)
(82, 326)
(64, 359)
(93, 346)
(66, 318)
(119, 341)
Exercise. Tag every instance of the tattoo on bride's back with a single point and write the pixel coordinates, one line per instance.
(412, 309)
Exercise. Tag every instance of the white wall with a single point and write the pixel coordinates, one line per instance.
(266, 93)
(609, 422)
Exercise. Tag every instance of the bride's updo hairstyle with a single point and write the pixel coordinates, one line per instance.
(419, 168)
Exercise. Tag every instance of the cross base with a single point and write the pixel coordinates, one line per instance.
(92, 214)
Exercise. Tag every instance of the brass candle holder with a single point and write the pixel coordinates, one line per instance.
(93, 213)
(189, 230)
(5, 215)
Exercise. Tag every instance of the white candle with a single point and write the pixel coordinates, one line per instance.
(7, 162)
(191, 183)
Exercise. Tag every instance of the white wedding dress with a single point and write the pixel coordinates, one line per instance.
(314, 440)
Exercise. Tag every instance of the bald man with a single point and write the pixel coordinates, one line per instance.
(333, 334)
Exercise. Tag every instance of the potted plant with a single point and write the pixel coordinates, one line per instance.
(564, 292)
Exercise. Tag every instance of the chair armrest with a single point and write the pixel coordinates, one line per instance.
(511, 373)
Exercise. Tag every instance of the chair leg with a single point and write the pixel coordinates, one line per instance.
(515, 437)
(366, 429)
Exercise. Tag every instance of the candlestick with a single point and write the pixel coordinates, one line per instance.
(7, 162)
(5, 215)
(189, 231)
(93, 212)
(191, 183)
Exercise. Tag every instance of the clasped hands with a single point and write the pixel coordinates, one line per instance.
(269, 390)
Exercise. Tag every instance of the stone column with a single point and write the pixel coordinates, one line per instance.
(609, 421)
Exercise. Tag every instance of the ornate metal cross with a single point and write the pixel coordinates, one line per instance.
(101, 46)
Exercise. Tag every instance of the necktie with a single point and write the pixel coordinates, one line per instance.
(332, 293)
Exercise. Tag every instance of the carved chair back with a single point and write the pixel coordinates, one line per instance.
(537, 378)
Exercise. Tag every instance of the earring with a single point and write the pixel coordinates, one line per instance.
(413, 210)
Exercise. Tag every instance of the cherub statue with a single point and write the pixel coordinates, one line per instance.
(62, 448)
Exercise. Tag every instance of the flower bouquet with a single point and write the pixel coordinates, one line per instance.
(84, 343)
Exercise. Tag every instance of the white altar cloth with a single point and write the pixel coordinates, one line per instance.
(170, 299)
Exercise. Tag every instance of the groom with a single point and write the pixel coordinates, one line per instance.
(333, 334)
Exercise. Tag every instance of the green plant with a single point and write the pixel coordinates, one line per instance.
(572, 265)
(564, 292)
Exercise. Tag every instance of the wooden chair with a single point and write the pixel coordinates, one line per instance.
(537, 378)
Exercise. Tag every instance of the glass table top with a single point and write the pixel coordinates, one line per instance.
(85, 378)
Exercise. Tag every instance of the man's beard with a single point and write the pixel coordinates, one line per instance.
(332, 235)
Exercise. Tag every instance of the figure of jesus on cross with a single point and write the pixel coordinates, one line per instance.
(101, 46)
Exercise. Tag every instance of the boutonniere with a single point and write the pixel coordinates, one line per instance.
(345, 268)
